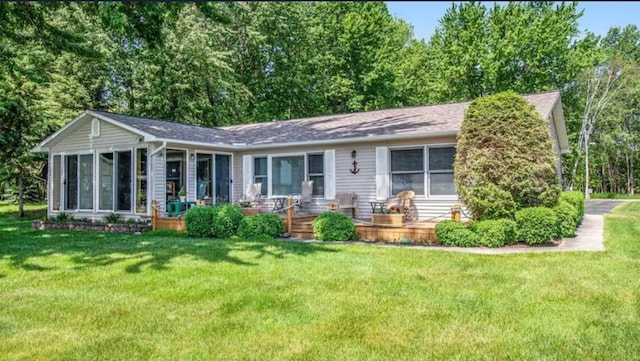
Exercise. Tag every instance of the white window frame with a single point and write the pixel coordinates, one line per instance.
(114, 180)
(135, 181)
(308, 174)
(279, 155)
(427, 173)
(194, 181)
(267, 176)
(63, 178)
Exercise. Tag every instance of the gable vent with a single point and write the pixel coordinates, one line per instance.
(95, 128)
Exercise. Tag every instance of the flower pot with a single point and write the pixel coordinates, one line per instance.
(390, 219)
(183, 198)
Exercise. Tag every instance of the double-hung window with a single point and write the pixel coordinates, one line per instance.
(407, 170)
(441, 171)
(425, 170)
(315, 168)
(260, 173)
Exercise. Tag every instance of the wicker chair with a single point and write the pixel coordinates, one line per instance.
(348, 200)
(404, 200)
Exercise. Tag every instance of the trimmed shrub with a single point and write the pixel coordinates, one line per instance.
(490, 202)
(445, 231)
(492, 233)
(576, 199)
(536, 225)
(334, 226)
(463, 237)
(198, 221)
(269, 225)
(510, 231)
(505, 145)
(567, 217)
(226, 219)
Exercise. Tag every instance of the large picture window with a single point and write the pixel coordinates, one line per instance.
(288, 174)
(105, 181)
(71, 182)
(408, 170)
(316, 172)
(85, 184)
(78, 181)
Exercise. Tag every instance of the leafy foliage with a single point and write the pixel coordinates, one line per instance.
(226, 219)
(567, 216)
(536, 225)
(114, 218)
(496, 233)
(504, 155)
(198, 221)
(333, 226)
(453, 233)
(576, 199)
(269, 225)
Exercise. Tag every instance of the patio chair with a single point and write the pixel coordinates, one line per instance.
(252, 194)
(307, 193)
(404, 203)
(348, 200)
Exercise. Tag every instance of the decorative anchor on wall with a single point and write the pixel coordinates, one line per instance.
(355, 169)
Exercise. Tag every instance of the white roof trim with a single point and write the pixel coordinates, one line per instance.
(42, 146)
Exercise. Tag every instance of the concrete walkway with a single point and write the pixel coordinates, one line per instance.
(589, 236)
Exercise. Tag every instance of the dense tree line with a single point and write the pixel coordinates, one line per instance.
(221, 63)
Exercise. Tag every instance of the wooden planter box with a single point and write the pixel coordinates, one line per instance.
(391, 219)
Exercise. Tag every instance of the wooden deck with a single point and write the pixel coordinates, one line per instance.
(417, 233)
(300, 225)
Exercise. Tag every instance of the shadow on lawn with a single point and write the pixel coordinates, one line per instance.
(19, 245)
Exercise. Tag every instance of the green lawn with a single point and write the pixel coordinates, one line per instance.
(85, 296)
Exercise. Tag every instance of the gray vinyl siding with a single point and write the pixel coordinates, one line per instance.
(79, 140)
(556, 147)
(158, 177)
(363, 183)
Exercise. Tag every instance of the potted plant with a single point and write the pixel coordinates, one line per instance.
(182, 194)
(391, 216)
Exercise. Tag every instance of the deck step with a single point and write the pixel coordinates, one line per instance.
(307, 226)
(302, 233)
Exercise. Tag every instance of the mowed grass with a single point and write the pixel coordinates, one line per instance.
(87, 296)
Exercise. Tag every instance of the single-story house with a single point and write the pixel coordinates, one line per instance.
(102, 162)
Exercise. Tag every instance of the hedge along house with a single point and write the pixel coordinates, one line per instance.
(102, 162)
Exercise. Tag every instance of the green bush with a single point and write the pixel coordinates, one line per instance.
(536, 225)
(510, 231)
(504, 146)
(334, 226)
(261, 224)
(490, 202)
(463, 237)
(567, 218)
(445, 231)
(226, 219)
(198, 221)
(492, 233)
(576, 199)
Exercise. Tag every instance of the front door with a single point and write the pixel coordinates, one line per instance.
(223, 178)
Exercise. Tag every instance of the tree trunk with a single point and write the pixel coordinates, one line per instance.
(20, 195)
(632, 178)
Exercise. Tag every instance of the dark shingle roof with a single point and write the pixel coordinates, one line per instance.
(401, 121)
(172, 130)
